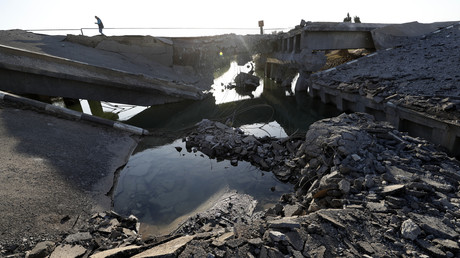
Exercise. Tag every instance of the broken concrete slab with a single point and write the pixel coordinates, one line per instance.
(70, 251)
(167, 249)
(120, 251)
(42, 249)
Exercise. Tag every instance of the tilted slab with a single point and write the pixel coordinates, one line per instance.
(30, 72)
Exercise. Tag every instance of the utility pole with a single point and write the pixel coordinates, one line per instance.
(261, 25)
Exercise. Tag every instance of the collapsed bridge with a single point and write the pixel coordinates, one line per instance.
(149, 70)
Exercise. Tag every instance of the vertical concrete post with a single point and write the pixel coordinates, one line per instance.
(261, 26)
(302, 81)
(339, 102)
(268, 70)
(392, 115)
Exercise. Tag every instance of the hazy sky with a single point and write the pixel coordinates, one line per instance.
(60, 14)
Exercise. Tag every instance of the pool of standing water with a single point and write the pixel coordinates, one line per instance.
(162, 183)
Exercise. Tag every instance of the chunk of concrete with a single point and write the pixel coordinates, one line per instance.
(70, 251)
(117, 252)
(410, 230)
(41, 250)
(167, 249)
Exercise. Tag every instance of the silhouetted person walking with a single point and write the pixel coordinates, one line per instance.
(100, 24)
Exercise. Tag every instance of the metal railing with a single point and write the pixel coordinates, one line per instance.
(163, 28)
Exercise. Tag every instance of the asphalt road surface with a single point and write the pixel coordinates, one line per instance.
(54, 172)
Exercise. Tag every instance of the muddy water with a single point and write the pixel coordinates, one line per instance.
(162, 183)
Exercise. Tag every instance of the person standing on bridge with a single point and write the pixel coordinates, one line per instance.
(100, 24)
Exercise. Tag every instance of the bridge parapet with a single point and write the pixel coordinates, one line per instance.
(328, 36)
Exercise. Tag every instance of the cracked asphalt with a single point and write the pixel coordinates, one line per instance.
(54, 172)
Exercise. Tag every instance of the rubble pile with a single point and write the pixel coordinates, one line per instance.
(362, 189)
(220, 141)
(103, 231)
(384, 192)
(421, 75)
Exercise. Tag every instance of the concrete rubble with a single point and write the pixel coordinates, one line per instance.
(361, 189)
(420, 74)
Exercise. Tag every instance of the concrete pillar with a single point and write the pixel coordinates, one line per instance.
(392, 115)
(268, 67)
(442, 136)
(303, 82)
(339, 102)
(297, 43)
(290, 44)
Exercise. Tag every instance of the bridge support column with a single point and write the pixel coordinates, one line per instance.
(303, 81)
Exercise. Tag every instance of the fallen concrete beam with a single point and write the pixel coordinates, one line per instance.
(30, 72)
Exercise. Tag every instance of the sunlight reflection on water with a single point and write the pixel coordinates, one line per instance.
(160, 184)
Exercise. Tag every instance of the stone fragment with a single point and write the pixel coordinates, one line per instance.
(277, 236)
(367, 247)
(435, 226)
(369, 181)
(433, 250)
(330, 181)
(42, 249)
(344, 186)
(438, 186)
(235, 243)
(292, 210)
(70, 251)
(395, 202)
(393, 189)
(220, 241)
(284, 223)
(447, 243)
(295, 240)
(355, 157)
(249, 139)
(167, 249)
(410, 230)
(256, 241)
(316, 252)
(78, 237)
(128, 232)
(377, 206)
(111, 225)
(267, 251)
(275, 210)
(326, 215)
(125, 251)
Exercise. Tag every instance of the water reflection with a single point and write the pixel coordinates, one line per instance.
(161, 184)
(274, 108)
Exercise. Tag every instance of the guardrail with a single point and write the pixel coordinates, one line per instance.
(256, 30)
